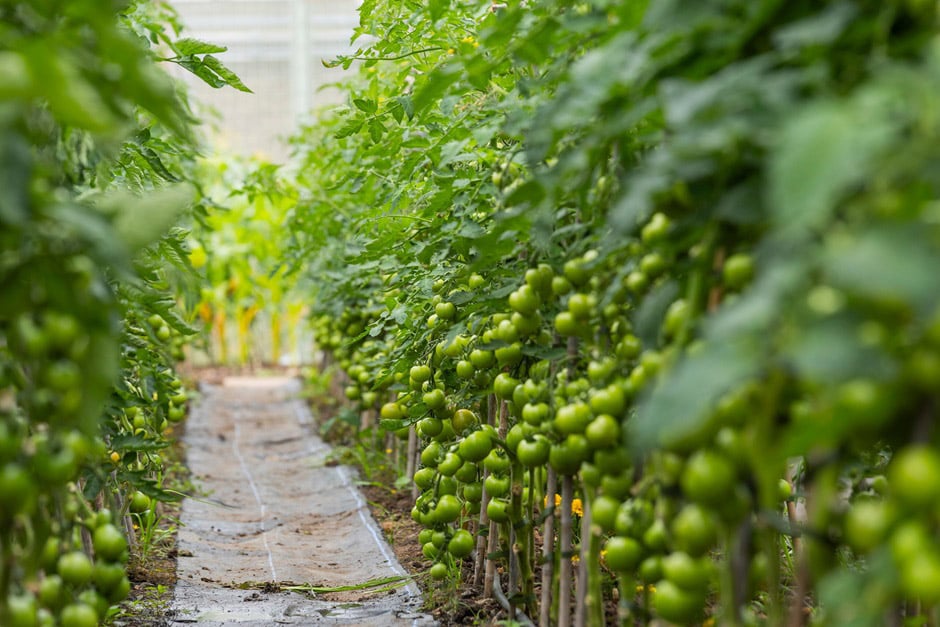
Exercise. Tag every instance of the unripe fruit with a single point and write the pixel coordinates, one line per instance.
(708, 478)
(914, 476)
(738, 271)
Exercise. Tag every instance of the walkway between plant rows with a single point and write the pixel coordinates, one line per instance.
(279, 533)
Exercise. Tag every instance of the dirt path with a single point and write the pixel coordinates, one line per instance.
(277, 516)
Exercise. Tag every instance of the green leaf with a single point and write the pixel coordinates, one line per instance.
(894, 264)
(128, 442)
(823, 151)
(858, 598)
(829, 351)
(228, 76)
(15, 165)
(351, 127)
(817, 29)
(140, 221)
(435, 86)
(369, 106)
(650, 315)
(682, 400)
(189, 46)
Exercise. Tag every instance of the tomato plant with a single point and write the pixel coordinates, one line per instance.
(97, 167)
(661, 262)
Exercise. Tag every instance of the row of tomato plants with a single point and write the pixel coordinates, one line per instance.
(96, 174)
(673, 264)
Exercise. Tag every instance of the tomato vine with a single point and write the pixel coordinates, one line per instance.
(689, 249)
(95, 178)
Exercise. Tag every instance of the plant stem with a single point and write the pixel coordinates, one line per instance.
(548, 549)
(564, 583)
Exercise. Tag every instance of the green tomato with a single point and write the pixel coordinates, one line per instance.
(687, 572)
(561, 286)
(107, 576)
(677, 605)
(914, 476)
(461, 544)
(445, 310)
(392, 411)
(867, 524)
(653, 264)
(464, 419)
(430, 426)
(526, 325)
(516, 434)
(920, 577)
(497, 462)
(21, 611)
(525, 300)
(435, 398)
(622, 554)
(498, 510)
(651, 569)
(535, 414)
(465, 369)
(475, 446)
(473, 492)
(603, 432)
(52, 591)
(604, 511)
(677, 317)
(431, 454)
(609, 400)
(738, 271)
(508, 355)
(109, 542)
(656, 536)
(566, 456)
(424, 478)
(75, 568)
(497, 486)
(573, 418)
(420, 373)
(447, 485)
(504, 385)
(656, 229)
(575, 271)
(438, 571)
(567, 325)
(694, 530)
(447, 509)
(708, 478)
(582, 306)
(450, 464)
(636, 282)
(481, 358)
(533, 452)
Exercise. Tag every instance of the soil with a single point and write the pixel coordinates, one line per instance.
(393, 511)
(153, 575)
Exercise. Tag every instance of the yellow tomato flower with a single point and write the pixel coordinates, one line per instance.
(577, 508)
